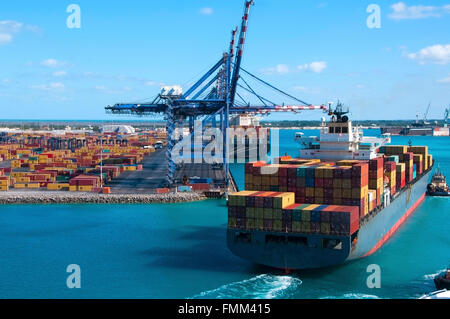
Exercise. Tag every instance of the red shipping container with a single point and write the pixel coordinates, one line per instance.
(376, 163)
(282, 181)
(200, 187)
(282, 171)
(292, 189)
(360, 169)
(292, 181)
(300, 199)
(319, 182)
(361, 181)
(328, 183)
(292, 171)
(390, 166)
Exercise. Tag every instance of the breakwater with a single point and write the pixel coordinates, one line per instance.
(92, 198)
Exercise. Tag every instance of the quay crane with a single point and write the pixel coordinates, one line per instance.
(214, 95)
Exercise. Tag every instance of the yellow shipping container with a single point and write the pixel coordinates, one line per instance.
(296, 227)
(337, 193)
(20, 185)
(337, 183)
(359, 193)
(328, 172)
(274, 181)
(310, 191)
(4, 182)
(85, 188)
(259, 213)
(318, 192)
(347, 193)
(73, 188)
(259, 224)
(250, 224)
(250, 212)
(325, 228)
(33, 185)
(277, 214)
(52, 187)
(346, 183)
(268, 213)
(238, 199)
(306, 227)
(284, 200)
(277, 225)
(63, 185)
(232, 222)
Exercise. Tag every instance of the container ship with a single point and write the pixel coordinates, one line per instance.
(341, 200)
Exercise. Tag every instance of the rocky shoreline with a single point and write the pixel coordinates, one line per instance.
(91, 198)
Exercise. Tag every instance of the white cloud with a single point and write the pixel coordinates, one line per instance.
(279, 69)
(401, 11)
(316, 67)
(59, 73)
(437, 54)
(108, 90)
(150, 83)
(52, 63)
(360, 86)
(9, 27)
(49, 87)
(5, 38)
(445, 80)
(207, 11)
(304, 89)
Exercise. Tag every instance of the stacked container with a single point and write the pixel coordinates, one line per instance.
(390, 171)
(422, 150)
(376, 177)
(401, 176)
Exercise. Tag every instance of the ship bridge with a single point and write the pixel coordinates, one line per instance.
(341, 140)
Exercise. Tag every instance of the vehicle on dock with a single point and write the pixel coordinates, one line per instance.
(438, 185)
(341, 200)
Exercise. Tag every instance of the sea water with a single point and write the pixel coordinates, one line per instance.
(179, 251)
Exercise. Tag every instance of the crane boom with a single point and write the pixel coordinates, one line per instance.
(239, 51)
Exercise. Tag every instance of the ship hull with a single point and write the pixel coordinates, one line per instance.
(301, 251)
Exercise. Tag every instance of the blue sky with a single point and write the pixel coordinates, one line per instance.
(319, 51)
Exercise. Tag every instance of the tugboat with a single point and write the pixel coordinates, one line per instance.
(438, 185)
(443, 282)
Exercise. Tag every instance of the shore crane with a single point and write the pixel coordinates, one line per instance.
(214, 95)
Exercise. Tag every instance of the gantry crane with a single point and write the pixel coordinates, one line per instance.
(214, 95)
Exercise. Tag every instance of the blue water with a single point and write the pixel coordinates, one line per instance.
(179, 251)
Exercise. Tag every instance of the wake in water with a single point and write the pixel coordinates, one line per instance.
(352, 296)
(259, 287)
(432, 276)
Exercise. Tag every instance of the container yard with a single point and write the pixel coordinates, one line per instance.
(75, 162)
